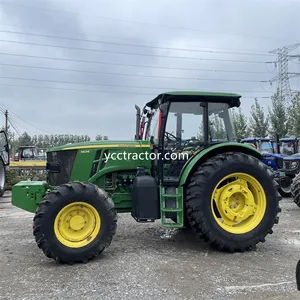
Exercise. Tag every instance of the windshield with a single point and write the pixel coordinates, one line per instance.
(29, 153)
(287, 148)
(185, 123)
(266, 147)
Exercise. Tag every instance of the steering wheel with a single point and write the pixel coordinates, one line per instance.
(172, 141)
(171, 136)
(195, 142)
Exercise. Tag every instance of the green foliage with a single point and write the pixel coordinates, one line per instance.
(15, 176)
(25, 139)
(294, 116)
(217, 128)
(278, 117)
(259, 125)
(240, 124)
(99, 137)
(11, 177)
(46, 141)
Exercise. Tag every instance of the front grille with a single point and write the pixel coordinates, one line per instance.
(65, 159)
(279, 162)
(287, 165)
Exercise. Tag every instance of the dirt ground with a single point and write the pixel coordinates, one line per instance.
(145, 261)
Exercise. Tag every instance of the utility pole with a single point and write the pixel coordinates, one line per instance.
(283, 77)
(6, 121)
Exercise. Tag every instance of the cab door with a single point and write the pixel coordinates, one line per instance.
(4, 148)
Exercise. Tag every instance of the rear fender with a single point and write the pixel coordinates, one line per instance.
(214, 150)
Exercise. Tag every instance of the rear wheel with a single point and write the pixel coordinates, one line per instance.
(295, 189)
(232, 201)
(75, 223)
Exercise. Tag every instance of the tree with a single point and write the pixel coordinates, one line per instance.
(99, 137)
(240, 124)
(278, 116)
(13, 143)
(259, 125)
(217, 129)
(294, 116)
(10, 134)
(25, 139)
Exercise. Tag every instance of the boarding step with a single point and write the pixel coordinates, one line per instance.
(171, 206)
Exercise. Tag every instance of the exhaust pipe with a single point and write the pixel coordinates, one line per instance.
(278, 143)
(137, 126)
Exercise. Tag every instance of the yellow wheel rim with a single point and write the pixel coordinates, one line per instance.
(77, 224)
(238, 203)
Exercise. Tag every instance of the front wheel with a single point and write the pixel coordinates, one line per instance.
(75, 222)
(285, 192)
(232, 201)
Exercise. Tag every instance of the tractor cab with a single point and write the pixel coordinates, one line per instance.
(264, 145)
(180, 125)
(268, 150)
(289, 146)
(26, 153)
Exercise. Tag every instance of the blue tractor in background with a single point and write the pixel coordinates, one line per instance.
(288, 148)
(274, 156)
(268, 150)
(291, 166)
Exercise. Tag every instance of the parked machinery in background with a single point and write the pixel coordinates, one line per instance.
(277, 156)
(28, 157)
(29, 153)
(4, 160)
(289, 149)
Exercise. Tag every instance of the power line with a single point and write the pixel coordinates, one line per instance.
(95, 84)
(131, 53)
(14, 127)
(24, 128)
(127, 74)
(284, 76)
(129, 44)
(114, 91)
(148, 41)
(74, 90)
(11, 122)
(129, 65)
(138, 22)
(33, 126)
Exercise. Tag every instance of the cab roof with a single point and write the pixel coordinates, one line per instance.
(288, 139)
(257, 139)
(232, 99)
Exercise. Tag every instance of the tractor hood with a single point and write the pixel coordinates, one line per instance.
(102, 144)
(293, 157)
(265, 155)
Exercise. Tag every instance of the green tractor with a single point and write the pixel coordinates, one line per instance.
(174, 170)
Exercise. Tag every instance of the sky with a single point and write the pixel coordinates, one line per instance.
(107, 56)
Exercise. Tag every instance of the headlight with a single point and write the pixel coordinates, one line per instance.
(294, 164)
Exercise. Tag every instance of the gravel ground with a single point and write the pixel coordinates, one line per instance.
(146, 261)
